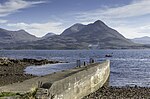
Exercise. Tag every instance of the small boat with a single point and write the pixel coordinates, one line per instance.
(108, 55)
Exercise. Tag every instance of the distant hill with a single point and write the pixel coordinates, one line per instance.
(48, 35)
(73, 29)
(142, 40)
(96, 35)
(7, 36)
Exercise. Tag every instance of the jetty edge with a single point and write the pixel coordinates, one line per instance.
(74, 83)
(78, 84)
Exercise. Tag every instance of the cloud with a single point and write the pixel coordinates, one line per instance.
(122, 18)
(128, 32)
(3, 21)
(133, 31)
(13, 6)
(118, 17)
(145, 27)
(39, 29)
(136, 8)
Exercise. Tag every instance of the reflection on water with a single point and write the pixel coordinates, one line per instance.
(48, 68)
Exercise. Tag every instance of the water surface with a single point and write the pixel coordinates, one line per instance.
(128, 67)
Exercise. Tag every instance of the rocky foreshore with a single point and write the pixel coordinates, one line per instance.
(12, 70)
(120, 93)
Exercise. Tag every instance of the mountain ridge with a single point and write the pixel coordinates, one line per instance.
(7, 36)
(48, 35)
(142, 40)
(98, 32)
(95, 35)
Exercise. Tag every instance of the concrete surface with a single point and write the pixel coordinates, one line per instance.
(77, 84)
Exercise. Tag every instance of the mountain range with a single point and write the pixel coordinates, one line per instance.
(142, 40)
(96, 35)
(48, 35)
(15, 36)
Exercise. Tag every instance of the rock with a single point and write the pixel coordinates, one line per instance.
(4, 61)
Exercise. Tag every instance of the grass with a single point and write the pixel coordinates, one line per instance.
(30, 95)
(7, 94)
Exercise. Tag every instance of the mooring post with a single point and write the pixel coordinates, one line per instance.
(84, 63)
(78, 63)
(91, 60)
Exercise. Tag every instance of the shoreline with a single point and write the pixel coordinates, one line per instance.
(12, 70)
(125, 92)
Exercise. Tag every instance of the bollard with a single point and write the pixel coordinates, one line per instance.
(78, 63)
(91, 60)
(84, 63)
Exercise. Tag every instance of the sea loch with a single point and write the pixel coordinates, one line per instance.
(128, 67)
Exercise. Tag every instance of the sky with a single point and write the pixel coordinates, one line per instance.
(131, 18)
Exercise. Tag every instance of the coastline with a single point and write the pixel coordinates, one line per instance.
(12, 70)
(120, 93)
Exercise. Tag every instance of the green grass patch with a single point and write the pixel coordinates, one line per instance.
(30, 95)
(7, 94)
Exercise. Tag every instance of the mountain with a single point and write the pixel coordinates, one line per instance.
(73, 29)
(48, 35)
(98, 33)
(142, 40)
(7, 36)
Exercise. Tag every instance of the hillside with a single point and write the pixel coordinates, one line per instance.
(96, 35)
(48, 35)
(142, 40)
(7, 36)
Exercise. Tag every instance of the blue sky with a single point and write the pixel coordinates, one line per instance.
(130, 17)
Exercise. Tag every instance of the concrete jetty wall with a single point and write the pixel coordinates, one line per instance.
(77, 84)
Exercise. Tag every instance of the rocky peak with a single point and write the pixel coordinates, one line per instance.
(73, 29)
(48, 35)
(21, 30)
(100, 24)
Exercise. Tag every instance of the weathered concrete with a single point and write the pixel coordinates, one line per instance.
(28, 85)
(74, 83)
(77, 84)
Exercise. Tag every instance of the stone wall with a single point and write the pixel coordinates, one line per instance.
(77, 85)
